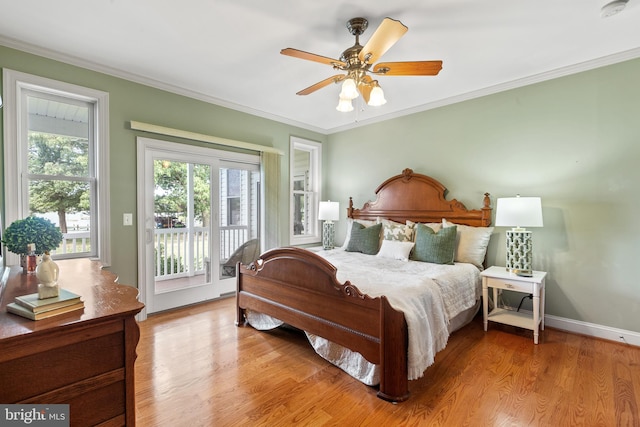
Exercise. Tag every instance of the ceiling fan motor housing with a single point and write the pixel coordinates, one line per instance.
(357, 26)
(350, 56)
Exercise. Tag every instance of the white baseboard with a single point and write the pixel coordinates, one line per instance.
(593, 330)
(589, 329)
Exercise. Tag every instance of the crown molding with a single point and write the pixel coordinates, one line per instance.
(514, 84)
(136, 78)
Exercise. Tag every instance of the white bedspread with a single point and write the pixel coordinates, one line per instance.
(429, 295)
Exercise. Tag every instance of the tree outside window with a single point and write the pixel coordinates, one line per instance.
(57, 159)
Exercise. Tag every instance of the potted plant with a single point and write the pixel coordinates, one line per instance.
(40, 231)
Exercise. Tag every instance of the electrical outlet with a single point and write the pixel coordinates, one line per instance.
(127, 219)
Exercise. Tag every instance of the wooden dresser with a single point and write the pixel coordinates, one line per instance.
(84, 359)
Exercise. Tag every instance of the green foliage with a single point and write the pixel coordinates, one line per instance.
(171, 188)
(54, 156)
(46, 236)
(174, 264)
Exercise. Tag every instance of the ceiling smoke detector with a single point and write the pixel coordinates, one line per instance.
(613, 8)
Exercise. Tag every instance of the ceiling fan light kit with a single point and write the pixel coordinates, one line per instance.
(357, 62)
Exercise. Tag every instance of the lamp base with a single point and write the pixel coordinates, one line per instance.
(522, 273)
(519, 252)
(327, 235)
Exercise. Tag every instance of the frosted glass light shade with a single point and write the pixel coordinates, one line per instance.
(329, 211)
(519, 212)
(349, 90)
(344, 105)
(376, 98)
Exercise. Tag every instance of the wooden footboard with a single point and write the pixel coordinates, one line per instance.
(300, 288)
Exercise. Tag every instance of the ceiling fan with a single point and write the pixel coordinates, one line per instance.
(357, 61)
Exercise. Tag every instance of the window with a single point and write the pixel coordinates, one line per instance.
(233, 196)
(56, 151)
(305, 173)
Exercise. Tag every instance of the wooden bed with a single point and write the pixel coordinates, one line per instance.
(300, 288)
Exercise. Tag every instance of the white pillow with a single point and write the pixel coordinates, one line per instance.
(395, 249)
(364, 222)
(471, 243)
(435, 226)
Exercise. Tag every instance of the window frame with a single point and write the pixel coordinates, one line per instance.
(15, 85)
(315, 173)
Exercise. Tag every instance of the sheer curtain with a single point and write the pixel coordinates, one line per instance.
(270, 172)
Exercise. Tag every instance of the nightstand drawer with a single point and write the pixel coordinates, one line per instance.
(512, 285)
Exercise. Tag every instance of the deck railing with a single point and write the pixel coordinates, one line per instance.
(74, 242)
(179, 252)
(182, 252)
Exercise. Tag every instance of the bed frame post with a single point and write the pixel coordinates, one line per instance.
(394, 342)
(350, 208)
(486, 210)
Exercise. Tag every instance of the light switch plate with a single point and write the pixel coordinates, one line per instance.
(127, 219)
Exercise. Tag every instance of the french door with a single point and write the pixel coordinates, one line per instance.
(199, 215)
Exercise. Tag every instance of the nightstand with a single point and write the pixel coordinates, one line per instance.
(499, 278)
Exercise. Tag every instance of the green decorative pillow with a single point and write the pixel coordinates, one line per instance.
(365, 239)
(438, 248)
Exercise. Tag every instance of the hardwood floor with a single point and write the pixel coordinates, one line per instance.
(196, 368)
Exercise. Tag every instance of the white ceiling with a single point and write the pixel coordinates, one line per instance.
(228, 51)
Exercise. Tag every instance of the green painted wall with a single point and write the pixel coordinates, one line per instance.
(574, 141)
(132, 101)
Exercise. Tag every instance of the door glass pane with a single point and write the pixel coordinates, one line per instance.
(239, 219)
(182, 217)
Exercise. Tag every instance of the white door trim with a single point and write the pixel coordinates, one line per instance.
(146, 225)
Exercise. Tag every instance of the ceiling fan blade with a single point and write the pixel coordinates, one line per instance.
(385, 36)
(364, 87)
(321, 84)
(310, 56)
(410, 68)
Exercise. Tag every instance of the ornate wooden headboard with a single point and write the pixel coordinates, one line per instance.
(419, 198)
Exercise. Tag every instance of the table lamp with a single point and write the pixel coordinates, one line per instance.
(328, 212)
(519, 212)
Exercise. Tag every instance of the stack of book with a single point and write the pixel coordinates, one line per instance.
(31, 307)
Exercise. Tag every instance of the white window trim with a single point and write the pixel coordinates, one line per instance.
(315, 148)
(13, 83)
